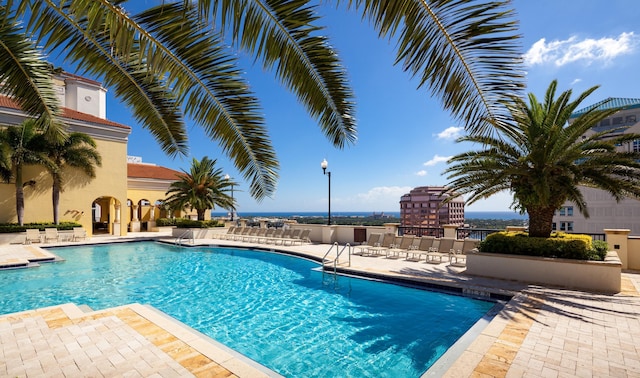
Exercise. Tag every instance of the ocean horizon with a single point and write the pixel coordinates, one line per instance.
(504, 215)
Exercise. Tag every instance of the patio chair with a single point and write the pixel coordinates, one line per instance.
(406, 241)
(250, 235)
(374, 238)
(243, 232)
(294, 237)
(51, 234)
(444, 251)
(425, 245)
(259, 234)
(459, 255)
(277, 234)
(79, 233)
(33, 236)
(286, 234)
(232, 235)
(230, 231)
(267, 234)
(304, 236)
(387, 240)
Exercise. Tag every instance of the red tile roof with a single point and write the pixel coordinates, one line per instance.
(6, 102)
(152, 172)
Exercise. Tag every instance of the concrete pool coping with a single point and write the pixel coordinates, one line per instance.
(539, 332)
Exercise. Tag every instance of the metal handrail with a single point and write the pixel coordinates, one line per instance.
(179, 238)
(338, 253)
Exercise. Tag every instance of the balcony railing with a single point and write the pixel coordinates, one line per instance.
(421, 231)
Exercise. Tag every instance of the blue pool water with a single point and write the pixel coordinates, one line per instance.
(272, 308)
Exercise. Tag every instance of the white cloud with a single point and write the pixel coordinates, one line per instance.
(450, 133)
(437, 159)
(421, 173)
(587, 50)
(575, 81)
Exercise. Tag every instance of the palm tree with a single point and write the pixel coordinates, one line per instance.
(172, 61)
(77, 151)
(19, 146)
(543, 159)
(203, 187)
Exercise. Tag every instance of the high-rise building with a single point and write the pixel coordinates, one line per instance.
(424, 206)
(604, 211)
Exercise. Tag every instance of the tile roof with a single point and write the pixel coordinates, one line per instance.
(610, 103)
(6, 102)
(152, 172)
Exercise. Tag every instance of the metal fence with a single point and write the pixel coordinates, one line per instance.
(421, 231)
(471, 233)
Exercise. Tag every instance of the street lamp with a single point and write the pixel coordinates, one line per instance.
(227, 177)
(324, 165)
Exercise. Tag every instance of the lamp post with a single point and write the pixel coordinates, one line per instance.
(227, 177)
(324, 165)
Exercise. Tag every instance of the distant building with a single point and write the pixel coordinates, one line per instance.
(604, 211)
(423, 207)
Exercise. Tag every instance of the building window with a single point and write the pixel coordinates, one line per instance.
(604, 122)
(566, 226)
(569, 226)
(631, 118)
(553, 226)
(617, 121)
(562, 211)
(569, 211)
(566, 211)
(636, 145)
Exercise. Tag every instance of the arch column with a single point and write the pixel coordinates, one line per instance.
(135, 222)
(151, 225)
(116, 219)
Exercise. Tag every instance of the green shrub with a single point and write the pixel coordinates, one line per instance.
(189, 223)
(14, 227)
(599, 250)
(163, 222)
(560, 245)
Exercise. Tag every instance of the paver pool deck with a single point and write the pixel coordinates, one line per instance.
(540, 331)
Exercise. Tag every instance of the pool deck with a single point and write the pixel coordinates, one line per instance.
(540, 331)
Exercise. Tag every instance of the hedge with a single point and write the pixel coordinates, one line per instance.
(15, 227)
(187, 223)
(560, 245)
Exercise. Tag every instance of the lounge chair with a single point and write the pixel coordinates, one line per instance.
(78, 233)
(275, 237)
(459, 255)
(243, 232)
(261, 232)
(372, 241)
(33, 236)
(387, 240)
(51, 234)
(402, 246)
(232, 235)
(444, 251)
(267, 235)
(286, 234)
(425, 246)
(229, 232)
(250, 235)
(293, 237)
(304, 236)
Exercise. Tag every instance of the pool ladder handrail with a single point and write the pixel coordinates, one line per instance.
(338, 253)
(183, 235)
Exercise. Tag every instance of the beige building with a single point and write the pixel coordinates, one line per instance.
(424, 207)
(124, 196)
(604, 211)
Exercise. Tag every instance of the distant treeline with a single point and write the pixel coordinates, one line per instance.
(496, 224)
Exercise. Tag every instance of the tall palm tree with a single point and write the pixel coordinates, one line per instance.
(543, 159)
(173, 61)
(78, 151)
(203, 187)
(20, 147)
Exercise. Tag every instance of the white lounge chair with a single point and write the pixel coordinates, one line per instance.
(444, 251)
(372, 241)
(387, 240)
(33, 236)
(78, 233)
(51, 234)
(406, 241)
(459, 256)
(425, 245)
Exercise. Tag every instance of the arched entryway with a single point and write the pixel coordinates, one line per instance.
(105, 216)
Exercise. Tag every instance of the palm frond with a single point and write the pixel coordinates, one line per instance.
(466, 52)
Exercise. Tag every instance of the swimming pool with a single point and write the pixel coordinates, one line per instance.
(272, 308)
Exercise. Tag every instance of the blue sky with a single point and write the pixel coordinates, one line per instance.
(404, 136)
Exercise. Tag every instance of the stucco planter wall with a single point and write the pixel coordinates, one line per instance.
(600, 276)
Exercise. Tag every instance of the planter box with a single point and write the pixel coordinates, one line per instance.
(600, 276)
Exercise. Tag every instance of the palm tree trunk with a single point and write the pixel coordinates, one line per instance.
(19, 196)
(200, 214)
(540, 221)
(55, 199)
